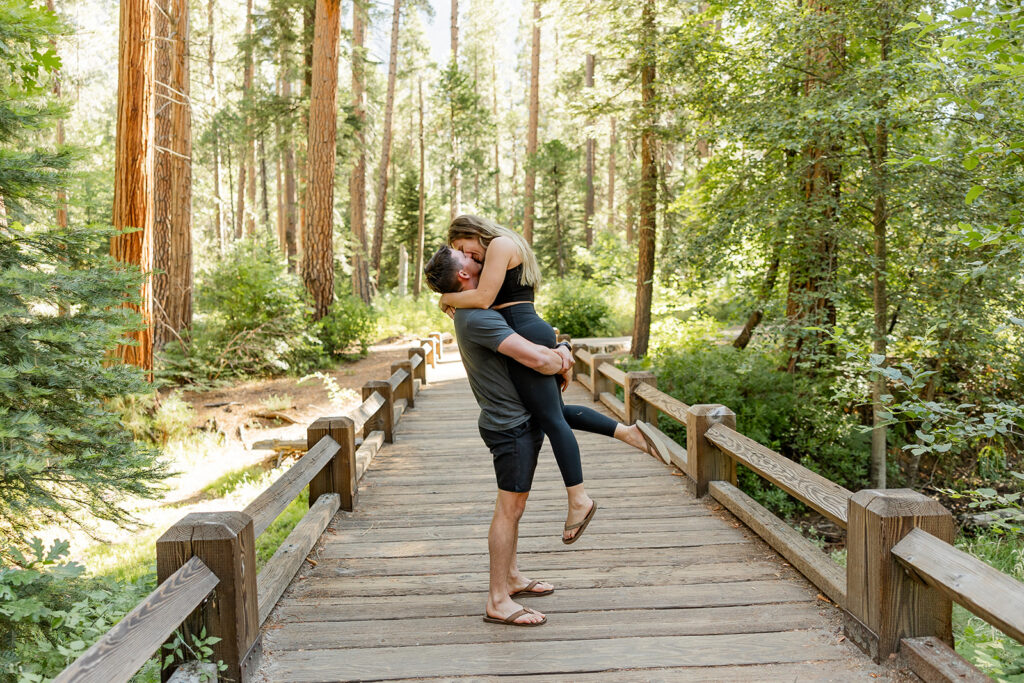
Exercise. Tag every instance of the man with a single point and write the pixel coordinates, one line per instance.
(513, 438)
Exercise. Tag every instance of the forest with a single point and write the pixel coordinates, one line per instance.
(810, 212)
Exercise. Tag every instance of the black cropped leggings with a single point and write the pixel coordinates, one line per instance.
(542, 396)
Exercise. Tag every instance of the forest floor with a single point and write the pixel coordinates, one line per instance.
(216, 466)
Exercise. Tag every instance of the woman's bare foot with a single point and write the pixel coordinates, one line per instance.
(633, 436)
(508, 607)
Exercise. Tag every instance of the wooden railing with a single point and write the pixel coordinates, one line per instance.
(902, 572)
(206, 562)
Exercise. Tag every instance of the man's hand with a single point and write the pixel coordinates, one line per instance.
(567, 360)
(564, 377)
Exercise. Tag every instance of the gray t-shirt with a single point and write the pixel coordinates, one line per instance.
(479, 332)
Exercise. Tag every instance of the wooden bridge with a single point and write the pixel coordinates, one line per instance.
(664, 585)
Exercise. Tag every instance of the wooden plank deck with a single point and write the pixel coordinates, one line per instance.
(661, 586)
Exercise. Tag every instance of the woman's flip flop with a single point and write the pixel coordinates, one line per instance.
(581, 525)
(510, 620)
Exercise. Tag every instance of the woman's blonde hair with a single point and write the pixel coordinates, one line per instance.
(469, 226)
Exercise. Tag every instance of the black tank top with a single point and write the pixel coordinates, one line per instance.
(511, 290)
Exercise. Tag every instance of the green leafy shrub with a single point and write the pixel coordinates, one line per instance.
(787, 413)
(253, 320)
(50, 614)
(348, 328)
(577, 307)
(406, 316)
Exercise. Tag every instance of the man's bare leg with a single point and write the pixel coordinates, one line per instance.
(518, 582)
(501, 542)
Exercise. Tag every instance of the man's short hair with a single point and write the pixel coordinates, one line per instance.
(442, 271)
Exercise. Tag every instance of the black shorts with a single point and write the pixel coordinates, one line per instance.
(515, 455)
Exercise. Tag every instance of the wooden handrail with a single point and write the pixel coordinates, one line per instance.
(613, 373)
(584, 355)
(123, 649)
(281, 568)
(672, 407)
(279, 495)
(396, 379)
(825, 496)
(990, 594)
(367, 410)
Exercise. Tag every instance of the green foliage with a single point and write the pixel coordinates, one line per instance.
(559, 221)
(788, 413)
(348, 328)
(50, 613)
(198, 650)
(254, 320)
(62, 451)
(406, 316)
(577, 307)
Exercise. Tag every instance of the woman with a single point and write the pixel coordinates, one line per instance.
(507, 281)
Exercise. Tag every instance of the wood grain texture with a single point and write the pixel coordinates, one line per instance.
(396, 379)
(884, 603)
(370, 406)
(672, 407)
(585, 381)
(636, 407)
(986, 592)
(280, 569)
(935, 662)
(279, 495)
(384, 418)
(599, 382)
(400, 582)
(804, 555)
(339, 474)
(613, 373)
(614, 404)
(126, 647)
(705, 461)
(827, 497)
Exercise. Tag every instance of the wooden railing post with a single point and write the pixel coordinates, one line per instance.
(224, 541)
(338, 475)
(706, 462)
(438, 345)
(431, 353)
(636, 407)
(420, 372)
(405, 389)
(883, 603)
(385, 418)
(600, 382)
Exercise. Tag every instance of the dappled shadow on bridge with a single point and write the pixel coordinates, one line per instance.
(661, 586)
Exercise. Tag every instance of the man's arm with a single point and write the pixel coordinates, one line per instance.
(534, 356)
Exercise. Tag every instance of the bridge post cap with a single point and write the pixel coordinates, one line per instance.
(715, 411)
(417, 351)
(898, 503)
(375, 383)
(207, 526)
(641, 374)
(330, 420)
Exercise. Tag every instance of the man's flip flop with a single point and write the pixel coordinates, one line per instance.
(527, 592)
(510, 620)
(654, 444)
(581, 525)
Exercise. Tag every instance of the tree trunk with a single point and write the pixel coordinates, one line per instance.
(648, 188)
(385, 145)
(133, 161)
(880, 297)
(588, 203)
(318, 257)
(62, 197)
(211, 81)
(421, 222)
(357, 181)
(455, 190)
(611, 177)
(531, 129)
(289, 228)
(814, 255)
(263, 182)
(243, 219)
(494, 115)
(559, 245)
(172, 173)
(757, 314)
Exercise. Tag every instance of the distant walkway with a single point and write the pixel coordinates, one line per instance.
(661, 586)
